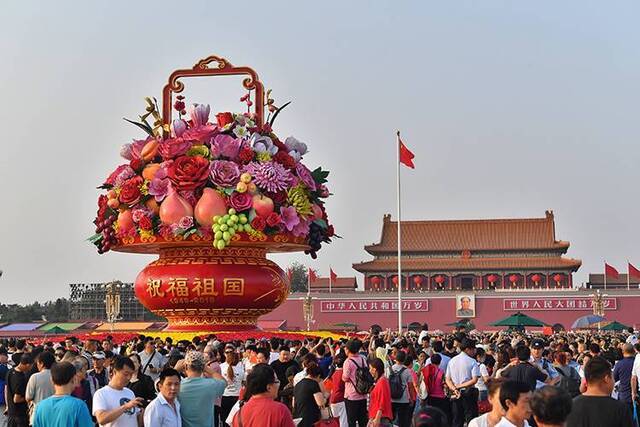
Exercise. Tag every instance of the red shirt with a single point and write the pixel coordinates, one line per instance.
(380, 398)
(337, 392)
(263, 412)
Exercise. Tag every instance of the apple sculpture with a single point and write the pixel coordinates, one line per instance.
(212, 198)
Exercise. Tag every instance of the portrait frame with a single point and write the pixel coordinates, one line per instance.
(465, 306)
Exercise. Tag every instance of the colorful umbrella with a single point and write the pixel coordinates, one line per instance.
(587, 321)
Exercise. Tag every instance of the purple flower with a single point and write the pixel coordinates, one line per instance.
(199, 114)
(159, 188)
(296, 148)
(289, 217)
(263, 144)
(240, 201)
(224, 173)
(226, 146)
(305, 176)
(270, 176)
(302, 229)
(185, 222)
(133, 150)
(178, 127)
(173, 147)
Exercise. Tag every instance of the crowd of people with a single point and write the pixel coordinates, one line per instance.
(424, 379)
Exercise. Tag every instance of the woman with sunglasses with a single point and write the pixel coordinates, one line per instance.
(233, 373)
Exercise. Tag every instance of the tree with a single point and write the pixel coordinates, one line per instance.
(298, 275)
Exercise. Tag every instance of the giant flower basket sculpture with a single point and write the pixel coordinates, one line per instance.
(212, 197)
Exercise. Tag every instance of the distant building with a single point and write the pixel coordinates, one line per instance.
(596, 281)
(341, 284)
(87, 302)
(470, 255)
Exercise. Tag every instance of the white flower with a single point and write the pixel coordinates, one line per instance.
(240, 131)
(294, 145)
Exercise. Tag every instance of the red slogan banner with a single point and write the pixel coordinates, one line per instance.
(566, 304)
(360, 306)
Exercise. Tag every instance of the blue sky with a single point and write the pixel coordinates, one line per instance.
(511, 108)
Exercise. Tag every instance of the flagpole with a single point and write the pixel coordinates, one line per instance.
(628, 274)
(330, 278)
(399, 236)
(605, 274)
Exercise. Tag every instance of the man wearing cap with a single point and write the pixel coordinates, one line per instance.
(198, 391)
(99, 372)
(537, 348)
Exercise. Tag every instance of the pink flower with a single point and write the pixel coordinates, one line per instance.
(173, 147)
(199, 114)
(305, 176)
(186, 222)
(224, 173)
(226, 146)
(302, 229)
(289, 217)
(240, 201)
(138, 213)
(132, 151)
(120, 175)
(178, 127)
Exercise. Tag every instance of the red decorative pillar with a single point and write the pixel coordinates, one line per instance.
(570, 280)
(429, 282)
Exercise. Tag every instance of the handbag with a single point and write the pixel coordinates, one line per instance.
(330, 421)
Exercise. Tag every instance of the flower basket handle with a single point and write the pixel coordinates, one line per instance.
(223, 68)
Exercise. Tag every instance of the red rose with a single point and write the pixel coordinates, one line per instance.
(278, 198)
(130, 191)
(224, 119)
(285, 159)
(246, 155)
(136, 164)
(188, 172)
(258, 223)
(145, 223)
(273, 219)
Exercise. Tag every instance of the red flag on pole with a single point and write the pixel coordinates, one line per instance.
(312, 275)
(333, 275)
(634, 272)
(609, 271)
(406, 156)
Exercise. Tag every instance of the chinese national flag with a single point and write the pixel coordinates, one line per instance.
(406, 156)
(333, 275)
(609, 271)
(312, 275)
(634, 272)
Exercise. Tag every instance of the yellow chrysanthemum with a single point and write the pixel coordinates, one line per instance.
(298, 198)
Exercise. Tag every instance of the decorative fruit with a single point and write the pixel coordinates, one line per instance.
(241, 187)
(150, 170)
(263, 205)
(245, 177)
(149, 150)
(111, 194)
(211, 203)
(125, 220)
(173, 208)
(252, 188)
(113, 203)
(152, 205)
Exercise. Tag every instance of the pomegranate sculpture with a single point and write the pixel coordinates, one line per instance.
(212, 197)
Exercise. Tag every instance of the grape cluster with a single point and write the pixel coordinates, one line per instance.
(316, 237)
(224, 227)
(109, 238)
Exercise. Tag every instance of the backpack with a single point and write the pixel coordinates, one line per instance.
(570, 381)
(364, 381)
(396, 384)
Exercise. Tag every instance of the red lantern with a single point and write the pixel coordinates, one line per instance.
(375, 280)
(557, 278)
(492, 278)
(395, 280)
(536, 278)
(417, 280)
(439, 279)
(513, 278)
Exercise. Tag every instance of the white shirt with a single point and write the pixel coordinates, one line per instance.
(273, 357)
(157, 362)
(108, 399)
(462, 368)
(299, 376)
(233, 386)
(480, 421)
(160, 413)
(506, 423)
(632, 339)
(443, 363)
(636, 366)
(422, 335)
(480, 385)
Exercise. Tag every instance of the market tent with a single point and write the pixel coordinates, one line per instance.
(587, 321)
(615, 326)
(518, 320)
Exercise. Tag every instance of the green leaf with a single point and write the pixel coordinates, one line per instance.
(228, 190)
(273, 119)
(189, 232)
(319, 175)
(321, 222)
(144, 126)
(95, 238)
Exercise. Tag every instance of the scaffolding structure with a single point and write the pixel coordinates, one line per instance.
(87, 302)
